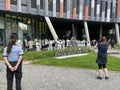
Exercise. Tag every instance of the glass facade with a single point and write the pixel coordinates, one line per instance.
(25, 26)
(32, 23)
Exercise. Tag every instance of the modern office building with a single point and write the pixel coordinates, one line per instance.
(53, 19)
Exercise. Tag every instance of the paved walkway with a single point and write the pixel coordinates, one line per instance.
(37, 77)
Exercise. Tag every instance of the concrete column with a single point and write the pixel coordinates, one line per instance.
(61, 8)
(46, 7)
(29, 6)
(117, 33)
(103, 11)
(18, 5)
(38, 7)
(92, 9)
(86, 31)
(118, 11)
(86, 10)
(113, 10)
(68, 8)
(74, 9)
(81, 9)
(108, 10)
(8, 5)
(54, 8)
(98, 10)
(52, 30)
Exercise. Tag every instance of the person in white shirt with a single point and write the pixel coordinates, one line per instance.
(38, 45)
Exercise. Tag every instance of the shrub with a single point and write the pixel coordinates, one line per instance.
(71, 51)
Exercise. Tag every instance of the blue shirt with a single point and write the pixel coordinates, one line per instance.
(16, 51)
(102, 53)
(102, 48)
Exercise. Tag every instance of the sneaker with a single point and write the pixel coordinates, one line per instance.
(99, 77)
(106, 78)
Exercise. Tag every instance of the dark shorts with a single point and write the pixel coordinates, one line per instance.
(100, 66)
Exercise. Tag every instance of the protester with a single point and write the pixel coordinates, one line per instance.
(38, 45)
(13, 55)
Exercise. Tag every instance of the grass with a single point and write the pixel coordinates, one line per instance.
(88, 61)
(80, 62)
(113, 63)
(33, 55)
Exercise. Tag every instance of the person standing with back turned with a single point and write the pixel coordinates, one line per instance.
(102, 57)
(13, 55)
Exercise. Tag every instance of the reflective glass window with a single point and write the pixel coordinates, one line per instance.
(13, 2)
(42, 4)
(33, 3)
(50, 5)
(58, 5)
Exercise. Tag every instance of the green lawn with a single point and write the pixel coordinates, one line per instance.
(88, 61)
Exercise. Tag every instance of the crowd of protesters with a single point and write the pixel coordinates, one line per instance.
(47, 44)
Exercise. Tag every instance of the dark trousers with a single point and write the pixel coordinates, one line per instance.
(10, 75)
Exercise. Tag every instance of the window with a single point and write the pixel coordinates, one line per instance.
(95, 8)
(14, 26)
(13, 2)
(111, 10)
(106, 9)
(8, 22)
(116, 12)
(24, 2)
(33, 3)
(42, 4)
(78, 3)
(84, 4)
(8, 26)
(101, 8)
(57, 5)
(2, 26)
(89, 8)
(50, 5)
(65, 5)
